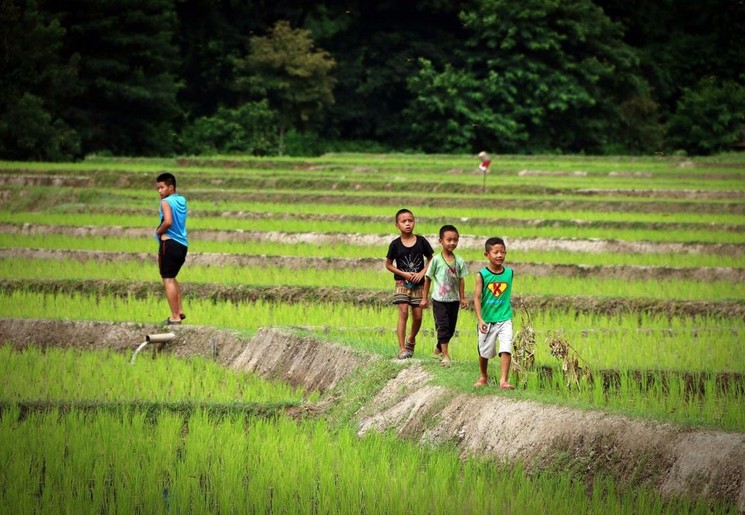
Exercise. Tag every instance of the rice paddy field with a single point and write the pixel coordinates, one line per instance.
(629, 299)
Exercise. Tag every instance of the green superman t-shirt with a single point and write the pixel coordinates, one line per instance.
(496, 295)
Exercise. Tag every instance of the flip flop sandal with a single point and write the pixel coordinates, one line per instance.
(409, 346)
(168, 321)
(405, 354)
(445, 362)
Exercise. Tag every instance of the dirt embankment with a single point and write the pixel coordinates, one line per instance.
(675, 461)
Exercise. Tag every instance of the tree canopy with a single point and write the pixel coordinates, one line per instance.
(158, 77)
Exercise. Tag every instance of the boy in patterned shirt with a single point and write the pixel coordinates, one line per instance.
(408, 258)
(447, 272)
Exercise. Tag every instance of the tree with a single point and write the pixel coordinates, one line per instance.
(285, 68)
(128, 64)
(250, 128)
(551, 74)
(709, 117)
(36, 84)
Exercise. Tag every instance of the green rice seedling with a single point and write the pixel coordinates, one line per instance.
(103, 375)
(705, 235)
(380, 279)
(266, 248)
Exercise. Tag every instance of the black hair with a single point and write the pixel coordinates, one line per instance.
(446, 228)
(493, 241)
(168, 179)
(402, 211)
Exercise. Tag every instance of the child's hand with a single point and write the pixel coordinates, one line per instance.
(483, 327)
(424, 304)
(463, 304)
(417, 277)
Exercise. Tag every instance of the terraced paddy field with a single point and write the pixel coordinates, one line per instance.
(629, 301)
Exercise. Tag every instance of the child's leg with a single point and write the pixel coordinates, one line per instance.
(416, 322)
(506, 361)
(445, 356)
(444, 348)
(483, 366)
(173, 295)
(403, 317)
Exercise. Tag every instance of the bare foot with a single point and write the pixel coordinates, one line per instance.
(481, 382)
(506, 386)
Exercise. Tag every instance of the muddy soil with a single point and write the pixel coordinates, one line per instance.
(536, 269)
(382, 241)
(675, 461)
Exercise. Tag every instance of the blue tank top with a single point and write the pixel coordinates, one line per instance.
(177, 230)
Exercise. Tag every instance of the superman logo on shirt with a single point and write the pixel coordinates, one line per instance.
(497, 288)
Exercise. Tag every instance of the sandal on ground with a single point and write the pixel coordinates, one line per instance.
(445, 362)
(506, 386)
(404, 354)
(409, 345)
(168, 321)
(479, 383)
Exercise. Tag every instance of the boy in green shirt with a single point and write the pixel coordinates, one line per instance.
(491, 302)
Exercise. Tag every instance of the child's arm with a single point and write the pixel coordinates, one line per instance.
(483, 327)
(420, 275)
(462, 293)
(424, 303)
(167, 219)
(391, 268)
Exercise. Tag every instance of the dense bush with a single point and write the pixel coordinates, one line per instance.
(710, 117)
(249, 129)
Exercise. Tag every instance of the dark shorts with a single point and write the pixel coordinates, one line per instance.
(446, 318)
(171, 257)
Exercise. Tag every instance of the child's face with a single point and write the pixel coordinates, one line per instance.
(164, 190)
(449, 240)
(405, 223)
(496, 255)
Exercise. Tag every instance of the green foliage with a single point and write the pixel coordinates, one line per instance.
(709, 118)
(248, 129)
(36, 83)
(128, 72)
(546, 76)
(29, 131)
(291, 73)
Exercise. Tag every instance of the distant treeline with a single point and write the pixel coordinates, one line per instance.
(164, 77)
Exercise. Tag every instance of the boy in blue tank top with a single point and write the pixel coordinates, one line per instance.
(491, 302)
(173, 243)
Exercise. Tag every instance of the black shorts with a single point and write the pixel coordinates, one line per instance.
(446, 318)
(171, 257)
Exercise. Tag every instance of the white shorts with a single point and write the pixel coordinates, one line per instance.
(497, 331)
